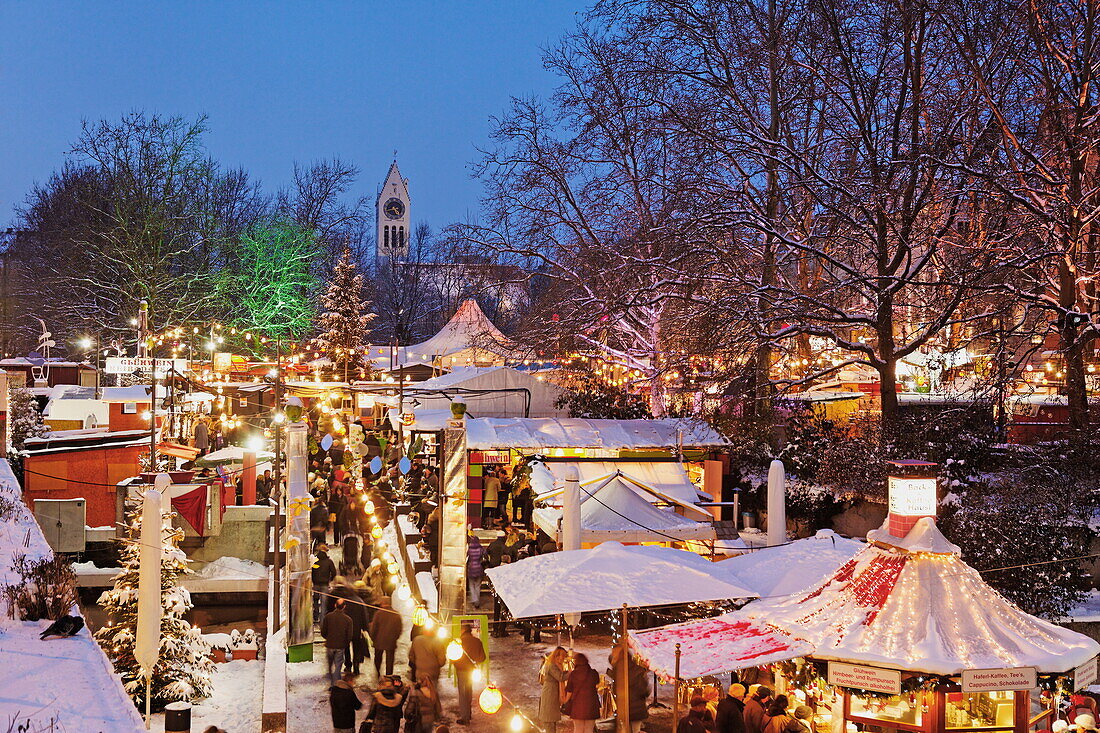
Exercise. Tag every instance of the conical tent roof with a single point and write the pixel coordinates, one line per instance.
(914, 604)
(469, 328)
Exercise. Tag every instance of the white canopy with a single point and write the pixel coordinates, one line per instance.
(505, 392)
(535, 434)
(607, 576)
(612, 510)
(230, 455)
(468, 330)
(666, 480)
(793, 568)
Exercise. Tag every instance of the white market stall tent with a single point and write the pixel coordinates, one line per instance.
(585, 433)
(495, 391)
(914, 604)
(608, 576)
(612, 509)
(664, 481)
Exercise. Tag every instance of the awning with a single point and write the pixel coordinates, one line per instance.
(714, 646)
(616, 509)
(176, 450)
(607, 577)
(664, 481)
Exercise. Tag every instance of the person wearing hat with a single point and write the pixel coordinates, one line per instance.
(804, 716)
(731, 711)
(698, 718)
(1084, 721)
(756, 709)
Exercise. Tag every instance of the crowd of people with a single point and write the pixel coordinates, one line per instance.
(752, 709)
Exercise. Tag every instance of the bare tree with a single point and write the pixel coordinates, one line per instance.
(1034, 67)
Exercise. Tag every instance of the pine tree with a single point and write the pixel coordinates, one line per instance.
(184, 668)
(344, 317)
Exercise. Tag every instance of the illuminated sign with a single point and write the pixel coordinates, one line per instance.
(912, 497)
(131, 364)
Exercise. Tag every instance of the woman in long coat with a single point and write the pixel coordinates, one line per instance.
(581, 695)
(552, 676)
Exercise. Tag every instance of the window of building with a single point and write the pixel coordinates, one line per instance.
(401, 237)
(386, 238)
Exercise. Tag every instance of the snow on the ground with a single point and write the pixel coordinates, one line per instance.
(236, 703)
(233, 567)
(69, 680)
(1087, 610)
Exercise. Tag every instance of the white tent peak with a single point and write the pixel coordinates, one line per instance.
(468, 328)
(925, 536)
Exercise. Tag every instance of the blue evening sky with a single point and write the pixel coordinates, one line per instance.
(280, 81)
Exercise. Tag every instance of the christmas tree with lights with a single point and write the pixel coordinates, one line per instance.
(184, 668)
(344, 317)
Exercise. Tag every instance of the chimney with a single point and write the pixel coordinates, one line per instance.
(913, 494)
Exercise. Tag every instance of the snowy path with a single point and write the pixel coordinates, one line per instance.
(514, 666)
(236, 703)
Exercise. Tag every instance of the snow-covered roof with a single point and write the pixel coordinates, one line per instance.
(67, 679)
(607, 576)
(793, 568)
(491, 433)
(921, 609)
(713, 646)
(469, 328)
(612, 510)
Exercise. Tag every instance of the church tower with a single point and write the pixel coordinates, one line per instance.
(392, 217)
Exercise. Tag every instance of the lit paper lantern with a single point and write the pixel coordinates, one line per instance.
(490, 699)
(376, 532)
(420, 616)
(517, 722)
(369, 506)
(454, 650)
(404, 593)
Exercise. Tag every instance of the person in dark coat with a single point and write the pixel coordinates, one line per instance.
(324, 570)
(355, 610)
(337, 629)
(475, 569)
(386, 705)
(698, 718)
(756, 708)
(637, 682)
(731, 711)
(318, 522)
(473, 654)
(582, 700)
(343, 702)
(385, 630)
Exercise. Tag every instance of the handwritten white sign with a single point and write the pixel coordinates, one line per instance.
(859, 677)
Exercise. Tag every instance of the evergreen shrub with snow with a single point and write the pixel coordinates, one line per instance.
(184, 668)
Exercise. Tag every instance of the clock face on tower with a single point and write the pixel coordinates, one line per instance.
(394, 209)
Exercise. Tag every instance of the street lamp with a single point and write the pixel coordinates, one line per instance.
(86, 343)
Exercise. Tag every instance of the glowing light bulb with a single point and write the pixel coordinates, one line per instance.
(490, 699)
(516, 723)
